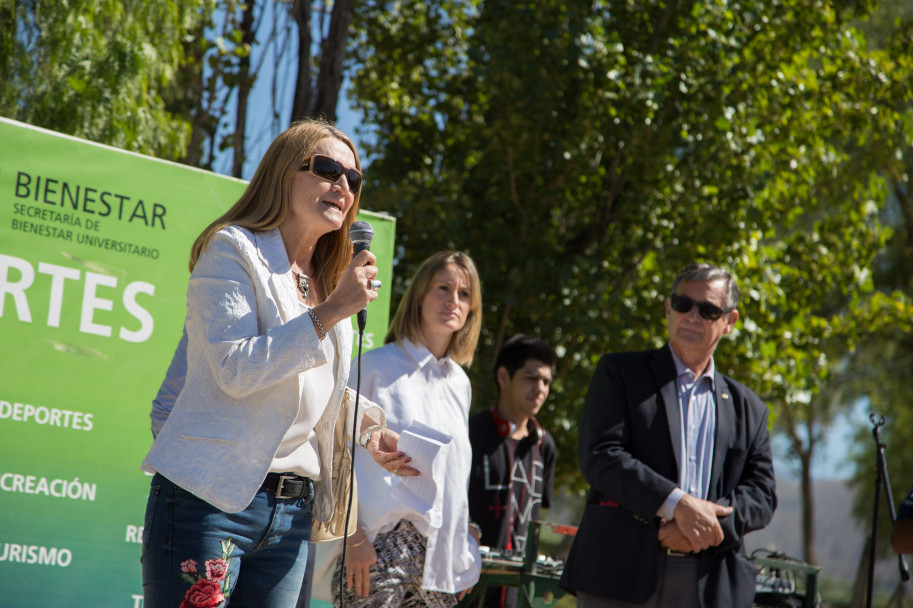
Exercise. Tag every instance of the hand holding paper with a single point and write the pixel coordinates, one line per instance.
(426, 446)
(383, 447)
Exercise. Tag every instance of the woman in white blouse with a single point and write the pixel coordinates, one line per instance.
(242, 460)
(398, 556)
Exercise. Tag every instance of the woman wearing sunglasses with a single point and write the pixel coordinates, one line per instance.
(241, 460)
(399, 556)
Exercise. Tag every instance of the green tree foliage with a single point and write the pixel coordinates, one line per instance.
(174, 78)
(820, 297)
(583, 153)
(879, 375)
(96, 69)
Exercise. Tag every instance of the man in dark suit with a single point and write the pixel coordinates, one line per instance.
(679, 464)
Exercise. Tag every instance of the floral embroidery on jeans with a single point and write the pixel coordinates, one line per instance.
(210, 590)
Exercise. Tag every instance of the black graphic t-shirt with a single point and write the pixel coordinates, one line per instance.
(510, 481)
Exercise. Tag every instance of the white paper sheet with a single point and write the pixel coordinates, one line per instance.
(424, 445)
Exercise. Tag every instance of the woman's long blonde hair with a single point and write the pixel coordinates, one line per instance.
(266, 201)
(407, 322)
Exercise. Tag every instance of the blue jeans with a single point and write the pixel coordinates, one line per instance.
(194, 551)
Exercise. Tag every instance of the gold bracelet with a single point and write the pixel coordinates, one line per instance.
(358, 544)
(321, 332)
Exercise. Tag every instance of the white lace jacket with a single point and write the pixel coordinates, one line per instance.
(247, 344)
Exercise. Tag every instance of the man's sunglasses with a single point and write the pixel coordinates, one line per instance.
(326, 168)
(683, 304)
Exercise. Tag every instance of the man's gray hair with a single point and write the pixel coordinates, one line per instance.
(708, 272)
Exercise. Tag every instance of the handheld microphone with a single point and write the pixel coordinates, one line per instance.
(361, 233)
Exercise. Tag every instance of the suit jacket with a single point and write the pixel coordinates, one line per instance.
(630, 444)
(247, 342)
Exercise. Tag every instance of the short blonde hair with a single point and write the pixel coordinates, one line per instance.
(266, 201)
(407, 322)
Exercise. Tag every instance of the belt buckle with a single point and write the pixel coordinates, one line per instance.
(280, 486)
(671, 553)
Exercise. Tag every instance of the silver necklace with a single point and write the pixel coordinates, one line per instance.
(304, 284)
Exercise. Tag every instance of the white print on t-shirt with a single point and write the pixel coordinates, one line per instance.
(520, 514)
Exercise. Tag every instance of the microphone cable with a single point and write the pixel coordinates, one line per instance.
(345, 529)
(360, 233)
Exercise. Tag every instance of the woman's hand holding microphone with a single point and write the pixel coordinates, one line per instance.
(357, 287)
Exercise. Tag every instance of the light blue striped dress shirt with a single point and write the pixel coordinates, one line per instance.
(698, 409)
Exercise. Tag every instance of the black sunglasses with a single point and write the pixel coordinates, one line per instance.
(683, 304)
(326, 168)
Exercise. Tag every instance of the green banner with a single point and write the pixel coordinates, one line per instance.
(94, 244)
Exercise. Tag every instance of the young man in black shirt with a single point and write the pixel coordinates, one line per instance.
(513, 457)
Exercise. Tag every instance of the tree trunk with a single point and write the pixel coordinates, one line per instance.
(808, 508)
(199, 130)
(301, 100)
(186, 96)
(245, 82)
(332, 54)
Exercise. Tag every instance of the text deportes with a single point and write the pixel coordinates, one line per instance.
(51, 416)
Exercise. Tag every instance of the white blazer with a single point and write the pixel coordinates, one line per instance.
(247, 345)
